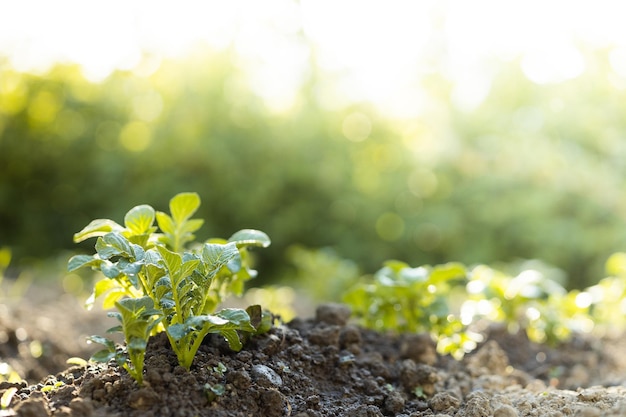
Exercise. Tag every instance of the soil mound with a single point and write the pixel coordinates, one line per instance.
(326, 366)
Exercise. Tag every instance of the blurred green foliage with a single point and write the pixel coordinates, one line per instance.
(454, 303)
(532, 172)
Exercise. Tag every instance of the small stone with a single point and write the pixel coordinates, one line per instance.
(266, 376)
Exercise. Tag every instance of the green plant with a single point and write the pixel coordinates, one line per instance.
(446, 300)
(157, 283)
(414, 300)
(214, 391)
(138, 318)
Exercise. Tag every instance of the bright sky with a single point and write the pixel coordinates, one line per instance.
(377, 50)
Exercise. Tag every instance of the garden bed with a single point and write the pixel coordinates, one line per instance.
(319, 366)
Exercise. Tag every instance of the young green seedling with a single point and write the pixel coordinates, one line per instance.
(413, 300)
(157, 284)
(445, 300)
(138, 318)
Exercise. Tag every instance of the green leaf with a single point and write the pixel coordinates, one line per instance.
(129, 268)
(183, 205)
(232, 338)
(177, 331)
(191, 226)
(251, 237)
(165, 222)
(112, 296)
(116, 329)
(101, 287)
(259, 319)
(110, 270)
(447, 272)
(167, 304)
(137, 343)
(96, 228)
(79, 261)
(135, 305)
(216, 255)
(113, 244)
(102, 341)
(188, 267)
(173, 261)
(237, 317)
(413, 275)
(103, 356)
(139, 220)
(200, 321)
(116, 315)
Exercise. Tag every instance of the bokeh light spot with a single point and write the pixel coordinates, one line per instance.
(390, 226)
(135, 136)
(44, 107)
(356, 127)
(422, 182)
(553, 64)
(14, 94)
(73, 284)
(147, 107)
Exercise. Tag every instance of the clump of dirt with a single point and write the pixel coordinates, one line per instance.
(327, 366)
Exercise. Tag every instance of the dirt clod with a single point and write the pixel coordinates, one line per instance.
(505, 411)
(35, 406)
(331, 313)
(143, 399)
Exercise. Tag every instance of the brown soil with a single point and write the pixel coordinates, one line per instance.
(322, 366)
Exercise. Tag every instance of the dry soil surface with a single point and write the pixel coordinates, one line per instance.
(320, 366)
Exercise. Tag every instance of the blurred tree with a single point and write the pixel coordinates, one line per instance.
(532, 172)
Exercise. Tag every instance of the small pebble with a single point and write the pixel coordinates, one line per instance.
(266, 376)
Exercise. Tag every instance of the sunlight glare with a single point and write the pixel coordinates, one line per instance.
(375, 46)
(366, 51)
(553, 64)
